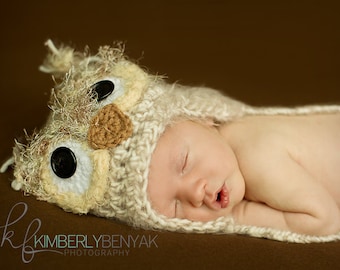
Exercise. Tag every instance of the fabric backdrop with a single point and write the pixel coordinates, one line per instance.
(262, 52)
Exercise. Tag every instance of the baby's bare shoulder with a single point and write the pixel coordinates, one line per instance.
(256, 138)
(258, 143)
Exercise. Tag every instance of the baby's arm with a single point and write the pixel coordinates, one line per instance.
(262, 215)
(287, 198)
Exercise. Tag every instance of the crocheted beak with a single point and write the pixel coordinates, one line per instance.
(109, 128)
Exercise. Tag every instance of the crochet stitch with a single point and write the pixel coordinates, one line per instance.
(109, 128)
(107, 138)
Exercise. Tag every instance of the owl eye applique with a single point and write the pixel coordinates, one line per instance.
(107, 90)
(71, 167)
(110, 126)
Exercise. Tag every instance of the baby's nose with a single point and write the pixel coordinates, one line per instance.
(194, 192)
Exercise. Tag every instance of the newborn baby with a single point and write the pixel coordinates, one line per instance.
(268, 171)
(124, 144)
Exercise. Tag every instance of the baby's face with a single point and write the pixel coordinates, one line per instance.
(194, 174)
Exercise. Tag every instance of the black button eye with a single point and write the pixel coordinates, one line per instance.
(101, 90)
(63, 162)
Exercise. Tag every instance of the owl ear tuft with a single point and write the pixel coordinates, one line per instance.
(58, 60)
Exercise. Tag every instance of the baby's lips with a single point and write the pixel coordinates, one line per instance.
(224, 197)
(221, 199)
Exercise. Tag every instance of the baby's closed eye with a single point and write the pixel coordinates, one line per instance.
(184, 162)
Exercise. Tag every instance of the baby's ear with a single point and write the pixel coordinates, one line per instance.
(58, 60)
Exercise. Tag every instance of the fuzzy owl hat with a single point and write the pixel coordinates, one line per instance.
(107, 114)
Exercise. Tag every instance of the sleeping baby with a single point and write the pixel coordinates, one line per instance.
(267, 171)
(126, 145)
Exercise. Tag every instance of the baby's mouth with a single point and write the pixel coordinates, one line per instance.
(223, 197)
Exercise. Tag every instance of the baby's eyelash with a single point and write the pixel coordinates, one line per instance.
(185, 161)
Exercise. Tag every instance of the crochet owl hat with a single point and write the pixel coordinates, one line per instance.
(107, 114)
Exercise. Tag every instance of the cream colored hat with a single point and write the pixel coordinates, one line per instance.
(93, 154)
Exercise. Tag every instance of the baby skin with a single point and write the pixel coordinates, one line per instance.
(280, 172)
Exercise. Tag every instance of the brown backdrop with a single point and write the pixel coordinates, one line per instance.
(264, 53)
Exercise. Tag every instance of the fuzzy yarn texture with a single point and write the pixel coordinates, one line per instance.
(113, 139)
